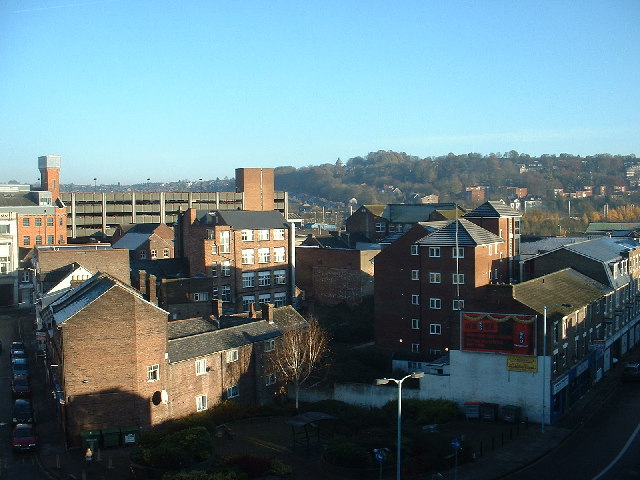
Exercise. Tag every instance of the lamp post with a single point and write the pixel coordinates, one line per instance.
(544, 358)
(384, 381)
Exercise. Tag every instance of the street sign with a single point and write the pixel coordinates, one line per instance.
(380, 454)
(456, 444)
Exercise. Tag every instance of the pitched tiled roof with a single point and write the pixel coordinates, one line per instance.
(493, 209)
(16, 199)
(132, 240)
(461, 232)
(595, 227)
(209, 342)
(377, 210)
(241, 219)
(603, 249)
(413, 213)
(189, 326)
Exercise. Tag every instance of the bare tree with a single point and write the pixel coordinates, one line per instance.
(299, 351)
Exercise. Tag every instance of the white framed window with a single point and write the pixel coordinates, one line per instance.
(50, 221)
(165, 253)
(225, 268)
(270, 379)
(434, 252)
(458, 304)
(415, 323)
(38, 222)
(25, 274)
(247, 300)
(435, 303)
(457, 252)
(280, 299)
(457, 278)
(264, 298)
(380, 227)
(232, 355)
(143, 254)
(248, 256)
(26, 240)
(415, 347)
(214, 269)
(247, 235)
(264, 255)
(270, 345)
(279, 255)
(201, 403)
(278, 234)
(415, 274)
(25, 222)
(153, 373)
(50, 239)
(263, 234)
(414, 249)
(248, 280)
(435, 277)
(280, 277)
(490, 249)
(225, 293)
(415, 299)
(233, 391)
(264, 279)
(435, 329)
(225, 241)
(214, 292)
(154, 253)
(201, 366)
(201, 296)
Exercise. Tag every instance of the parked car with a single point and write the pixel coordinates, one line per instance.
(631, 372)
(19, 366)
(18, 354)
(24, 437)
(22, 411)
(20, 386)
(17, 346)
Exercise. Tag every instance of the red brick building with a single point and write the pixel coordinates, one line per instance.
(145, 241)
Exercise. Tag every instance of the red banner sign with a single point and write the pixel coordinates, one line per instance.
(498, 333)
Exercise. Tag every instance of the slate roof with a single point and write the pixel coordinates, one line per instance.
(16, 199)
(189, 326)
(604, 249)
(56, 276)
(413, 213)
(132, 240)
(541, 245)
(376, 210)
(147, 228)
(493, 209)
(162, 267)
(244, 219)
(200, 344)
(468, 234)
(602, 227)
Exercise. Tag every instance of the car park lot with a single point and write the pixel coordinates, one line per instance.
(24, 437)
(631, 372)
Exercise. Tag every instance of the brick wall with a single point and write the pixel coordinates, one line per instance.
(58, 229)
(115, 262)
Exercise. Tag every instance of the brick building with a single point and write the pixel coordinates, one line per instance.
(145, 241)
(158, 370)
(249, 255)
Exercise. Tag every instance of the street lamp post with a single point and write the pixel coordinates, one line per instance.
(384, 381)
(544, 359)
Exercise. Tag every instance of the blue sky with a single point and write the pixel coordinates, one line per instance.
(127, 90)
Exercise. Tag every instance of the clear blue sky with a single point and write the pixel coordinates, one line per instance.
(127, 90)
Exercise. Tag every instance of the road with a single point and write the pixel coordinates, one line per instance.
(606, 447)
(14, 325)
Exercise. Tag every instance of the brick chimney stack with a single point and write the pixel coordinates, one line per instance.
(252, 310)
(217, 308)
(152, 295)
(267, 312)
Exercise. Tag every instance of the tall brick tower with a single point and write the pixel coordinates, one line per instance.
(49, 166)
(258, 185)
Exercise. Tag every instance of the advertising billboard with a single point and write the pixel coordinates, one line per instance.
(498, 333)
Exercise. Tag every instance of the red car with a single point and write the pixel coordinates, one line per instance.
(24, 438)
(20, 386)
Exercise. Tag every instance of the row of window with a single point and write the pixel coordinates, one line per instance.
(264, 278)
(26, 221)
(436, 303)
(436, 277)
(264, 255)
(434, 252)
(248, 235)
(154, 254)
(434, 328)
(279, 300)
(26, 240)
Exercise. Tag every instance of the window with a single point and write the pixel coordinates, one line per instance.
(457, 252)
(280, 299)
(165, 253)
(26, 240)
(214, 269)
(415, 323)
(225, 294)
(154, 253)
(51, 239)
(415, 347)
(280, 277)
(214, 249)
(270, 345)
(25, 222)
(247, 300)
(38, 222)
(270, 379)
(60, 221)
(225, 242)
(200, 296)
(225, 268)
(380, 227)
(434, 252)
(61, 239)
(435, 303)
(263, 234)
(247, 235)
(38, 239)
(233, 391)
(26, 275)
(201, 403)
(201, 366)
(264, 279)
(49, 221)
(435, 329)
(434, 277)
(458, 305)
(457, 278)
(279, 255)
(248, 280)
(247, 256)
(4, 229)
(415, 299)
(214, 292)
(278, 234)
(264, 298)
(414, 249)
(490, 249)
(232, 356)
(153, 373)
(143, 254)
(264, 255)
(415, 274)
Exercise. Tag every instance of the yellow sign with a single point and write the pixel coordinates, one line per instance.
(522, 363)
